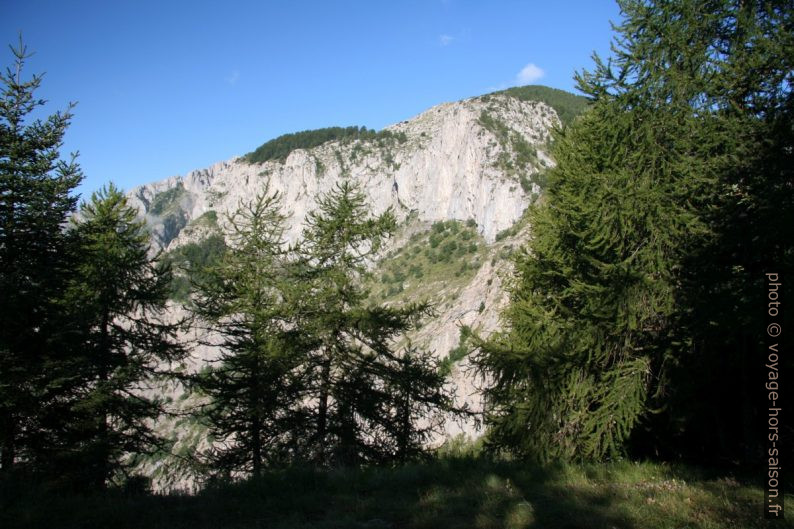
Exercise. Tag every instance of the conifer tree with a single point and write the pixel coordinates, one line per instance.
(255, 409)
(117, 342)
(749, 141)
(416, 404)
(367, 395)
(640, 259)
(309, 370)
(35, 201)
(588, 316)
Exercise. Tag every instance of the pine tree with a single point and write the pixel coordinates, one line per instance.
(366, 394)
(35, 201)
(255, 410)
(118, 344)
(749, 141)
(416, 404)
(309, 370)
(726, 67)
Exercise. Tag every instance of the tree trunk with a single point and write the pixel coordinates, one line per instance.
(102, 454)
(256, 446)
(256, 423)
(322, 410)
(8, 454)
(348, 454)
(404, 434)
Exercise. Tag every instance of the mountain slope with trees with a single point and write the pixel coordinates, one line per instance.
(634, 327)
(468, 168)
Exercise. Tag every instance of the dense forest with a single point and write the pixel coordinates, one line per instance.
(279, 148)
(636, 328)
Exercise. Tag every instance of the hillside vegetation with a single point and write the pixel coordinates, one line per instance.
(566, 104)
(621, 345)
(189, 260)
(633, 321)
(440, 260)
(280, 147)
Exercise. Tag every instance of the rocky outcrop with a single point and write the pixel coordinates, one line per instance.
(457, 161)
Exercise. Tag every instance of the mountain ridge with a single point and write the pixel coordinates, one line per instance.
(458, 177)
(437, 141)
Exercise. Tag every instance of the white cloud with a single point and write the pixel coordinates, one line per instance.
(445, 40)
(233, 78)
(529, 74)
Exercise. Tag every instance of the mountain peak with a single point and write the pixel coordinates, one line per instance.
(479, 158)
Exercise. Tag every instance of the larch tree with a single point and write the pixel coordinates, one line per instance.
(255, 389)
(120, 344)
(367, 393)
(588, 319)
(309, 370)
(646, 246)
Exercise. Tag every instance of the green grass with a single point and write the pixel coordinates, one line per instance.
(441, 259)
(208, 219)
(458, 353)
(450, 492)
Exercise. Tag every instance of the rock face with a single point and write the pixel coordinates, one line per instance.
(473, 161)
(455, 163)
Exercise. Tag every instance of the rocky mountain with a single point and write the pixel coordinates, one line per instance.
(472, 159)
(458, 177)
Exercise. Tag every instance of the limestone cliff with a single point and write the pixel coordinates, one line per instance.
(455, 161)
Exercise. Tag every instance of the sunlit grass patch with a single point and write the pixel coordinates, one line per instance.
(447, 492)
(433, 265)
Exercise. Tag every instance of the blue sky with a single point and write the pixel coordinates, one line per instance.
(166, 87)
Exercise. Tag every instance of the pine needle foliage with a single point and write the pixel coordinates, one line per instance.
(35, 201)
(592, 294)
(689, 124)
(369, 395)
(309, 369)
(255, 391)
(116, 341)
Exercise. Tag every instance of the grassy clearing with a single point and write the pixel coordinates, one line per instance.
(461, 492)
(440, 261)
(208, 219)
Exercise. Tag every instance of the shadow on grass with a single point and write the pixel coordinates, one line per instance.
(444, 493)
(486, 494)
